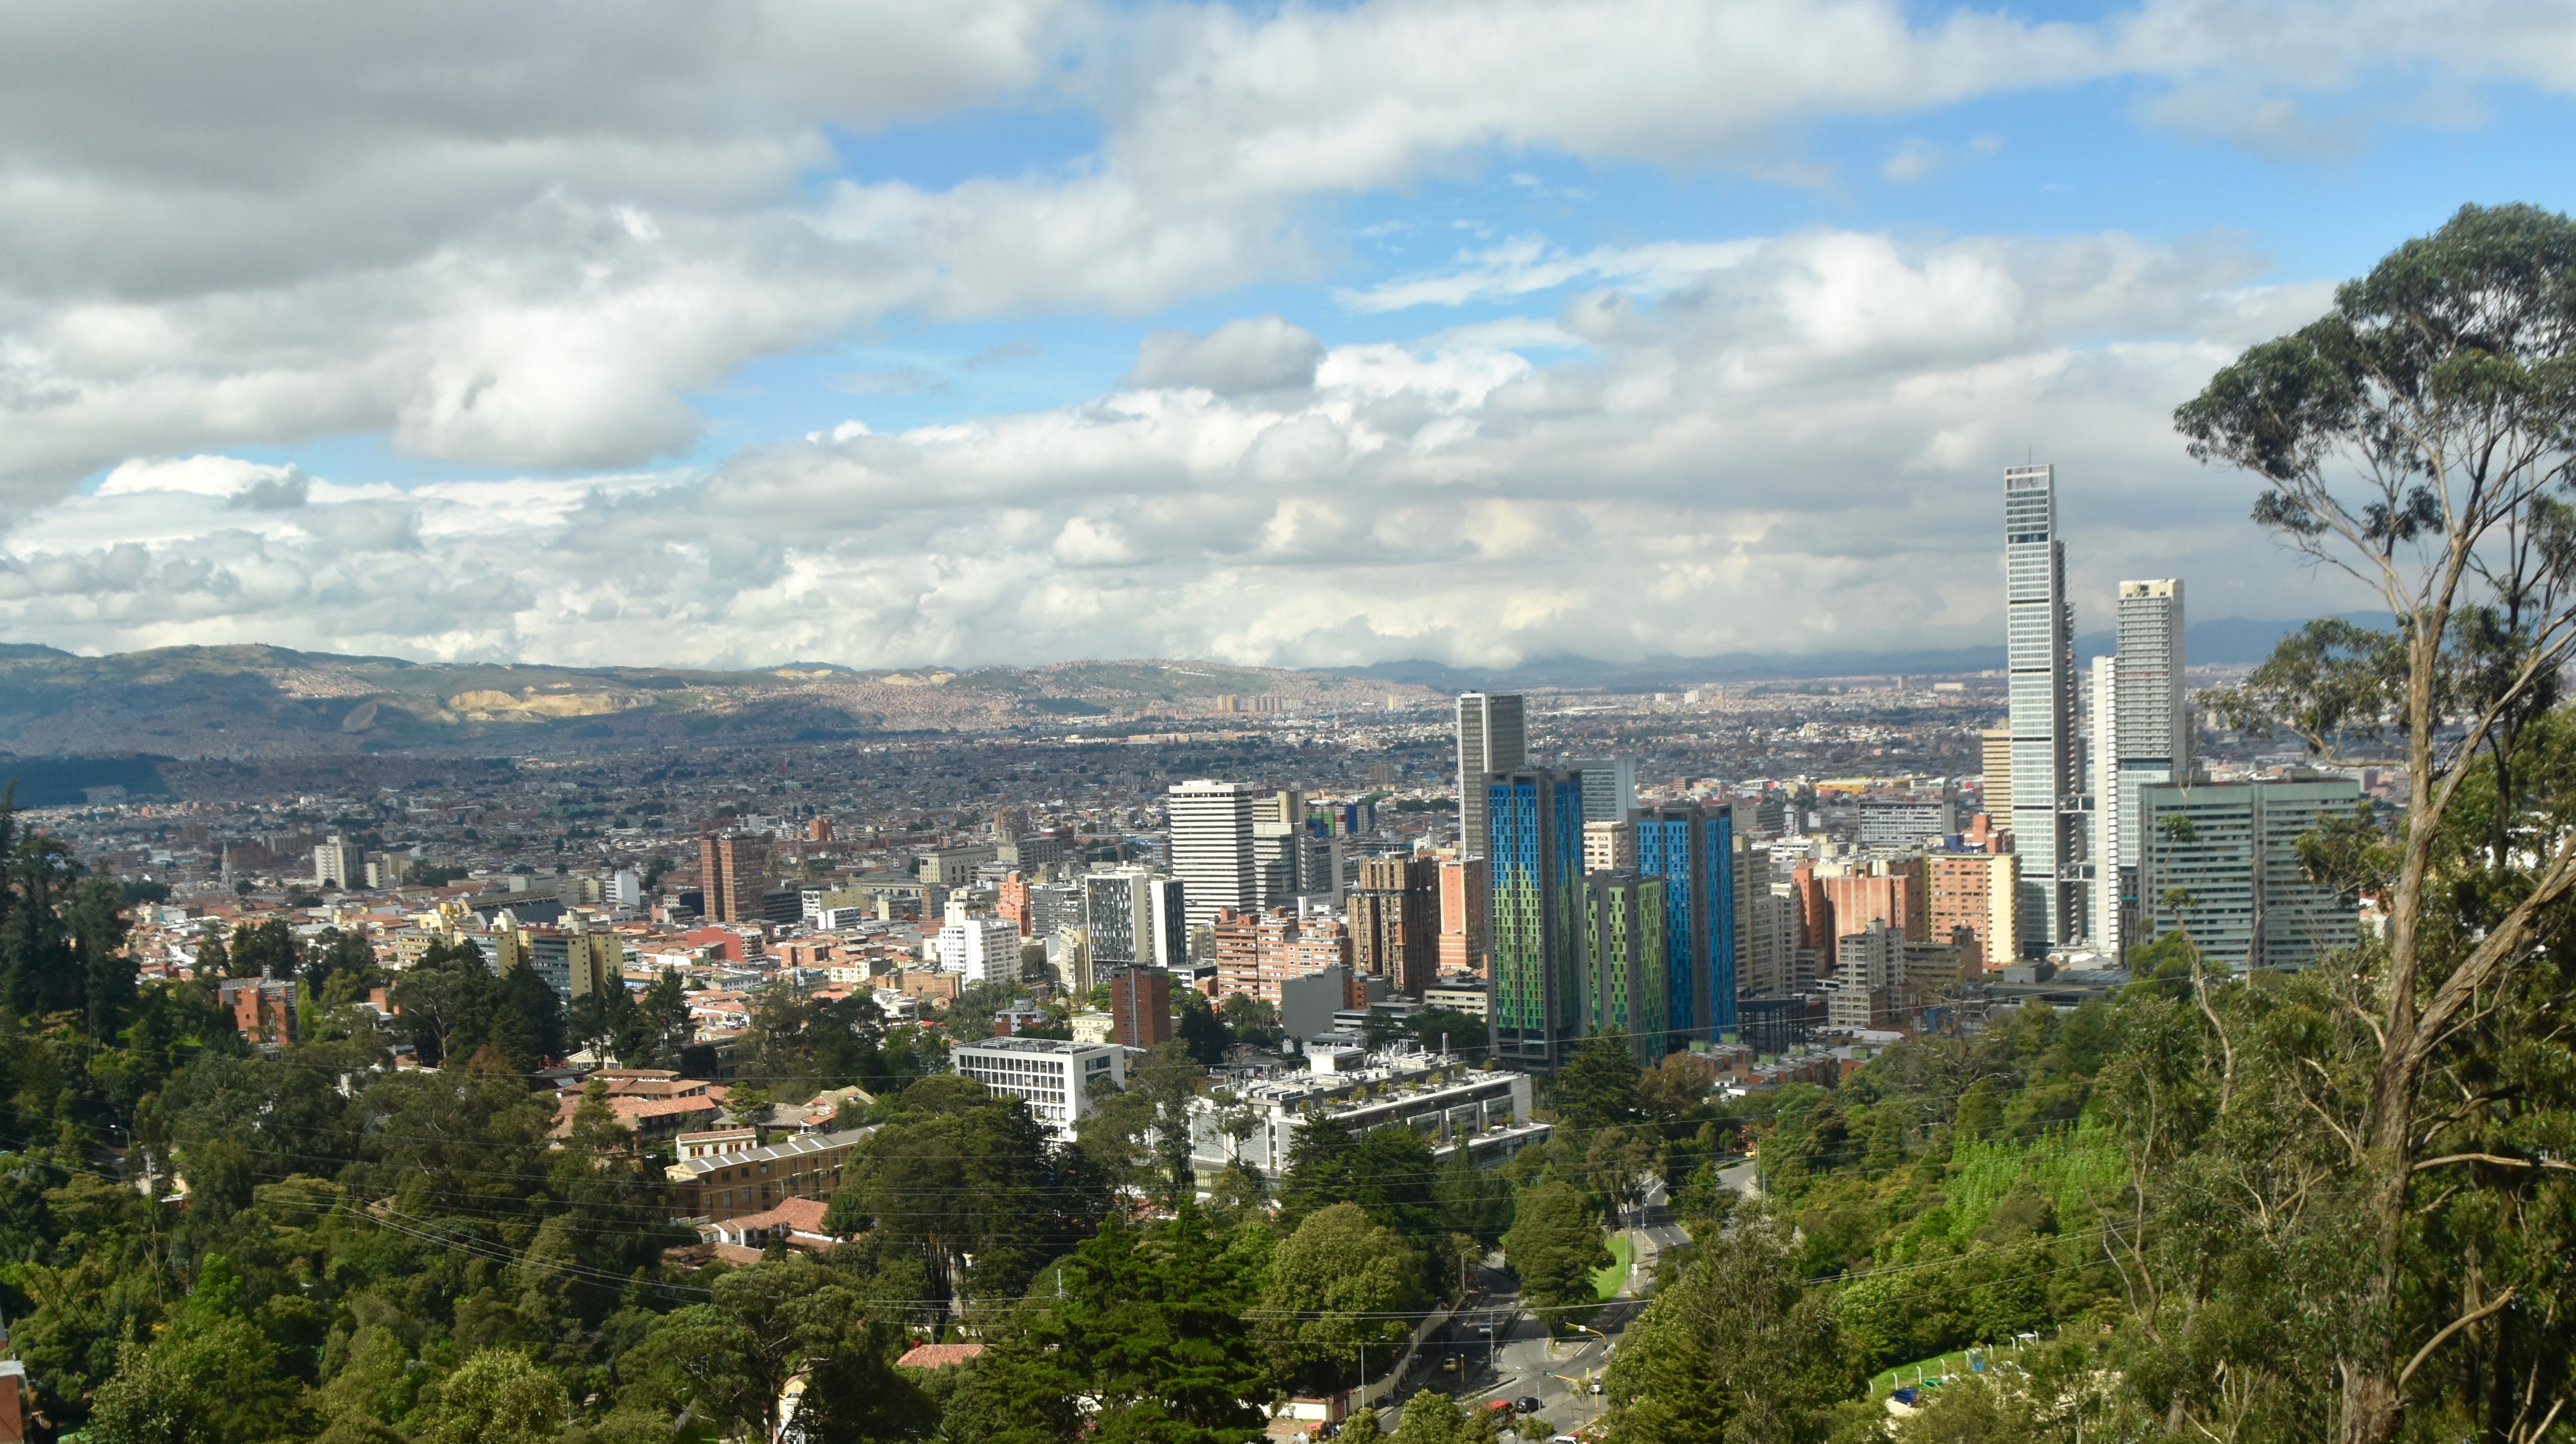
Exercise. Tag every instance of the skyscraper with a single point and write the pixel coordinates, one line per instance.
(1536, 917)
(2155, 714)
(2142, 737)
(1692, 849)
(2039, 645)
(1211, 827)
(1492, 737)
(2102, 752)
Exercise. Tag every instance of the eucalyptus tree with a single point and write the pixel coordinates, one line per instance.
(2419, 438)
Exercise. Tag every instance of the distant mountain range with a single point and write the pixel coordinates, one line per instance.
(2227, 641)
(240, 701)
(246, 701)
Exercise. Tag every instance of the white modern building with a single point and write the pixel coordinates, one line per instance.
(1450, 1103)
(337, 863)
(986, 950)
(1211, 834)
(1051, 1075)
(2141, 736)
(1135, 916)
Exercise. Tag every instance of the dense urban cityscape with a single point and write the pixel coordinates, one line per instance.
(1377, 722)
(1448, 923)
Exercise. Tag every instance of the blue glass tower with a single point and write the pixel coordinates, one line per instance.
(1537, 921)
(1692, 848)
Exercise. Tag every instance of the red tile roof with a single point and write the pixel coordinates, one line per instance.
(937, 1356)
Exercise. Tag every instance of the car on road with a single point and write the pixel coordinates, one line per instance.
(1528, 1404)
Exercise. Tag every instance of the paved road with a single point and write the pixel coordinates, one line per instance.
(1518, 1358)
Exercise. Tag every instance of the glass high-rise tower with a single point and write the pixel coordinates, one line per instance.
(2039, 645)
(1692, 848)
(1536, 920)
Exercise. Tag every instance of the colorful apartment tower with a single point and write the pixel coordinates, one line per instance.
(1692, 849)
(1627, 975)
(1536, 913)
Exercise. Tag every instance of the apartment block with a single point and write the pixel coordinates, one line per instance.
(1394, 916)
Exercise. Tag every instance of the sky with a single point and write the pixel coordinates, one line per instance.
(1011, 331)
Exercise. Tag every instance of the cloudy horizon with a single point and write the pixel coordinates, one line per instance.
(1015, 331)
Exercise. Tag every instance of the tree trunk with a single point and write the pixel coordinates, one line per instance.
(2370, 1394)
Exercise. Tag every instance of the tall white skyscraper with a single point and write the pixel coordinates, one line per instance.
(1211, 826)
(2104, 734)
(1492, 737)
(2039, 645)
(2142, 736)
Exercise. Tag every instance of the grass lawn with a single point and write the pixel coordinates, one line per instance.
(1940, 1367)
(1607, 1281)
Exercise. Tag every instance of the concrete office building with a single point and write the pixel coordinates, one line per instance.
(1212, 855)
(1692, 849)
(1627, 985)
(1394, 915)
(1307, 1004)
(1773, 971)
(1868, 980)
(729, 874)
(2231, 850)
(1493, 736)
(1030, 851)
(1609, 787)
(1051, 1075)
(1536, 913)
(575, 961)
(952, 866)
(1462, 993)
(2039, 644)
(1278, 851)
(2141, 736)
(1906, 821)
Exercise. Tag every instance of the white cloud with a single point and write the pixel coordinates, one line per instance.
(1911, 160)
(1793, 449)
(525, 235)
(1260, 353)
